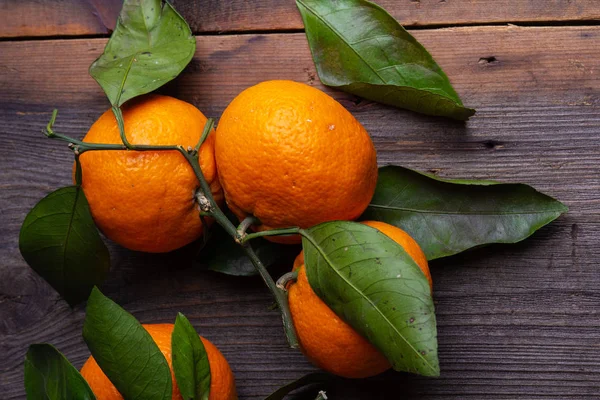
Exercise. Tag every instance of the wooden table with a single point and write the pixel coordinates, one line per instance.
(518, 321)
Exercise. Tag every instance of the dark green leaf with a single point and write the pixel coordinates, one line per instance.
(50, 376)
(125, 351)
(359, 48)
(60, 242)
(310, 379)
(448, 216)
(375, 286)
(190, 361)
(150, 46)
(223, 254)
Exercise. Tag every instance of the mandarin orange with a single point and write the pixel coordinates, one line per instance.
(222, 384)
(324, 338)
(291, 155)
(145, 200)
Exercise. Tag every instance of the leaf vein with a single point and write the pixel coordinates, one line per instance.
(317, 247)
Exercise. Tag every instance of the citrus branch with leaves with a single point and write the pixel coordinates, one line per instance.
(205, 201)
(384, 301)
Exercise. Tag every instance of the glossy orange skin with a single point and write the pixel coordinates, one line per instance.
(291, 155)
(222, 384)
(325, 339)
(145, 200)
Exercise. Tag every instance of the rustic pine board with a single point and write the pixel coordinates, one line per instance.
(515, 322)
(26, 18)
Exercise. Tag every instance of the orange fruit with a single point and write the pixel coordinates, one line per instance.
(144, 200)
(409, 244)
(222, 384)
(325, 339)
(291, 155)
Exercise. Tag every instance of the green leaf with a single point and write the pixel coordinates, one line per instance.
(309, 379)
(125, 351)
(190, 361)
(447, 216)
(60, 241)
(150, 46)
(375, 286)
(222, 254)
(50, 376)
(361, 49)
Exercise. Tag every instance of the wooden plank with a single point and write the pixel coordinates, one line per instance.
(32, 18)
(511, 325)
(514, 321)
(29, 18)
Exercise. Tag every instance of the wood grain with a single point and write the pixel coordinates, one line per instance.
(28, 18)
(515, 322)
(32, 18)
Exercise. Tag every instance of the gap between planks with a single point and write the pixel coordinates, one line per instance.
(432, 27)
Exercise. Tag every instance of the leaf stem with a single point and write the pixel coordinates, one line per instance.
(119, 116)
(80, 147)
(245, 224)
(285, 278)
(272, 232)
(321, 396)
(280, 296)
(210, 123)
(77, 170)
(49, 131)
(212, 208)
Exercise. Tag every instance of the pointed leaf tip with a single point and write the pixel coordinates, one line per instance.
(361, 49)
(448, 216)
(190, 361)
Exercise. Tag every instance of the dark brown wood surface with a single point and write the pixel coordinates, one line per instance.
(515, 322)
(96, 17)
